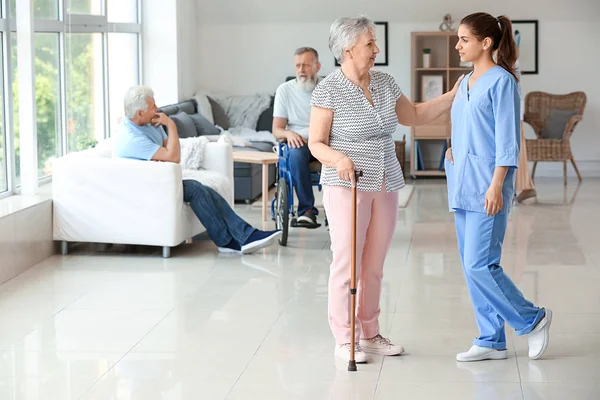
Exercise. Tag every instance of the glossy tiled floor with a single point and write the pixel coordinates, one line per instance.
(117, 325)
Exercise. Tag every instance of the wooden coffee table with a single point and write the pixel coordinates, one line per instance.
(259, 157)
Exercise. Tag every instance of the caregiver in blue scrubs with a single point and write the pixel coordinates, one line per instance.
(480, 168)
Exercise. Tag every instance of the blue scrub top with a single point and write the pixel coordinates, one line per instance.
(485, 135)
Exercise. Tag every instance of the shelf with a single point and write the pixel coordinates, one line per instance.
(428, 142)
(432, 172)
(434, 33)
(442, 69)
(441, 137)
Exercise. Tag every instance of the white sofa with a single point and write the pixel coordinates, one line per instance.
(101, 199)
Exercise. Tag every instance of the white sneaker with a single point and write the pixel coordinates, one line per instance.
(477, 353)
(380, 345)
(539, 337)
(342, 351)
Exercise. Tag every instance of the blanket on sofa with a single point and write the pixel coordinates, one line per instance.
(250, 135)
(244, 111)
(192, 158)
(212, 179)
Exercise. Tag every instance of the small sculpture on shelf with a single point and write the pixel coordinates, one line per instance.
(446, 25)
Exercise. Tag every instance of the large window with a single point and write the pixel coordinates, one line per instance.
(3, 149)
(93, 7)
(15, 92)
(122, 10)
(85, 90)
(86, 56)
(47, 96)
(42, 9)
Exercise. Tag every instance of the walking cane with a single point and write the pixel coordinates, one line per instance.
(352, 362)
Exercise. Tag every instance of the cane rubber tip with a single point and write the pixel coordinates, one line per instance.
(351, 365)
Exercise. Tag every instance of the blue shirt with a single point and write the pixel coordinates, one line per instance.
(138, 142)
(485, 135)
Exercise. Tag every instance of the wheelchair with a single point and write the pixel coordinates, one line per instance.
(282, 205)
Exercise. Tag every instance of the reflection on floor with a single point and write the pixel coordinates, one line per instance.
(123, 323)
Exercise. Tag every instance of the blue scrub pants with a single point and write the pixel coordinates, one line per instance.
(495, 297)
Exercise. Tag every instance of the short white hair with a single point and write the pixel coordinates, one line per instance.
(344, 33)
(136, 99)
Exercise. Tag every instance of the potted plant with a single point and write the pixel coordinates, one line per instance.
(426, 58)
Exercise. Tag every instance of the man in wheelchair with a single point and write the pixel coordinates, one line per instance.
(291, 116)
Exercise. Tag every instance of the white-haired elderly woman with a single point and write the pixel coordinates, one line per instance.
(355, 110)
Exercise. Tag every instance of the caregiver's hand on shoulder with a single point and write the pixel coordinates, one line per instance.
(493, 200)
(449, 155)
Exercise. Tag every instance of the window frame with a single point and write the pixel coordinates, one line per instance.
(65, 24)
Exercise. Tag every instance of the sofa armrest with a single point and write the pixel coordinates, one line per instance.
(218, 157)
(96, 197)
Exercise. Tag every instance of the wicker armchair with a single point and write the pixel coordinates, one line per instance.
(538, 106)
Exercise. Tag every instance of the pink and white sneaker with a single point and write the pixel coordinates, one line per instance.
(380, 345)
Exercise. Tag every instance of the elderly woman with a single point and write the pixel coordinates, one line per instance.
(354, 113)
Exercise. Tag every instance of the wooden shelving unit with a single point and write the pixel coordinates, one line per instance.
(444, 63)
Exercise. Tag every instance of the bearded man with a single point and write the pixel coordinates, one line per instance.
(291, 116)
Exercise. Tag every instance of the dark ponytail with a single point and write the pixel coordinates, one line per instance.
(499, 29)
(507, 48)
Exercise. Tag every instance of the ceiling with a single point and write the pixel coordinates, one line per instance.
(312, 11)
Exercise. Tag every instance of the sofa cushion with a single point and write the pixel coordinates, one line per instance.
(263, 146)
(204, 107)
(185, 125)
(187, 107)
(556, 123)
(219, 115)
(169, 110)
(203, 125)
(265, 121)
(243, 111)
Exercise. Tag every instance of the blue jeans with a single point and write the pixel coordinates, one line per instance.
(221, 222)
(299, 159)
(495, 297)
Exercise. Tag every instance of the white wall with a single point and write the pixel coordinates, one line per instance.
(187, 48)
(568, 57)
(168, 49)
(247, 58)
(159, 49)
(242, 58)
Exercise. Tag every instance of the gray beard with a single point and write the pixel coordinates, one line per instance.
(306, 86)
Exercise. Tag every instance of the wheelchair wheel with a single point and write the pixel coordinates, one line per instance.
(282, 213)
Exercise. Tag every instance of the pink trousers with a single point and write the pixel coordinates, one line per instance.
(376, 217)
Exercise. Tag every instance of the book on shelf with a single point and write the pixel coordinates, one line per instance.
(442, 165)
(419, 157)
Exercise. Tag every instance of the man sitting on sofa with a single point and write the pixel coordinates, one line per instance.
(291, 115)
(142, 137)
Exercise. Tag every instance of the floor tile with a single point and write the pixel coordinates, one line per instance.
(122, 323)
